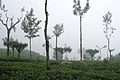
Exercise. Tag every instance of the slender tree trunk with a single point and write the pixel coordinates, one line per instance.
(92, 59)
(56, 49)
(8, 38)
(100, 54)
(18, 56)
(66, 55)
(30, 47)
(46, 39)
(81, 38)
(13, 52)
(109, 48)
(62, 57)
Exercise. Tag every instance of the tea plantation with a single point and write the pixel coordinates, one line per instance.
(60, 71)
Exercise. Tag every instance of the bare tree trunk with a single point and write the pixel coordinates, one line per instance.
(18, 56)
(8, 38)
(109, 48)
(81, 38)
(62, 57)
(100, 54)
(56, 49)
(30, 47)
(13, 52)
(45, 33)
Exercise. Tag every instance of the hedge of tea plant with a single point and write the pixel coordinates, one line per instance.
(59, 71)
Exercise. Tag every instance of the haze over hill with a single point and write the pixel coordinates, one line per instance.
(61, 11)
(25, 54)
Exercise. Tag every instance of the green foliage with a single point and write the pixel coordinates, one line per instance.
(54, 62)
(107, 18)
(20, 46)
(10, 43)
(58, 71)
(105, 61)
(30, 25)
(15, 44)
(59, 49)
(63, 50)
(77, 8)
(67, 49)
(92, 52)
(58, 30)
(5, 41)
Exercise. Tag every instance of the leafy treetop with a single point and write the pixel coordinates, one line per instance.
(30, 25)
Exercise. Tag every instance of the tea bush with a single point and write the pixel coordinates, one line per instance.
(58, 71)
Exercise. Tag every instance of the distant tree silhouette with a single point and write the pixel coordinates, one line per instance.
(30, 26)
(13, 46)
(57, 32)
(100, 48)
(80, 12)
(19, 47)
(108, 31)
(92, 52)
(62, 51)
(11, 43)
(60, 54)
(9, 23)
(67, 49)
(45, 34)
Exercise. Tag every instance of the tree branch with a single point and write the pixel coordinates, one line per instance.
(2, 22)
(18, 20)
(6, 19)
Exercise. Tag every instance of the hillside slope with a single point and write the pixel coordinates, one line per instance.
(24, 54)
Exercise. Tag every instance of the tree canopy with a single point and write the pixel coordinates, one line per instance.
(92, 52)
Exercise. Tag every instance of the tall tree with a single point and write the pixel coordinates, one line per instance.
(92, 52)
(80, 12)
(108, 30)
(30, 26)
(45, 34)
(57, 32)
(9, 23)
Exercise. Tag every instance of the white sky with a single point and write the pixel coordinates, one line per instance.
(61, 11)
